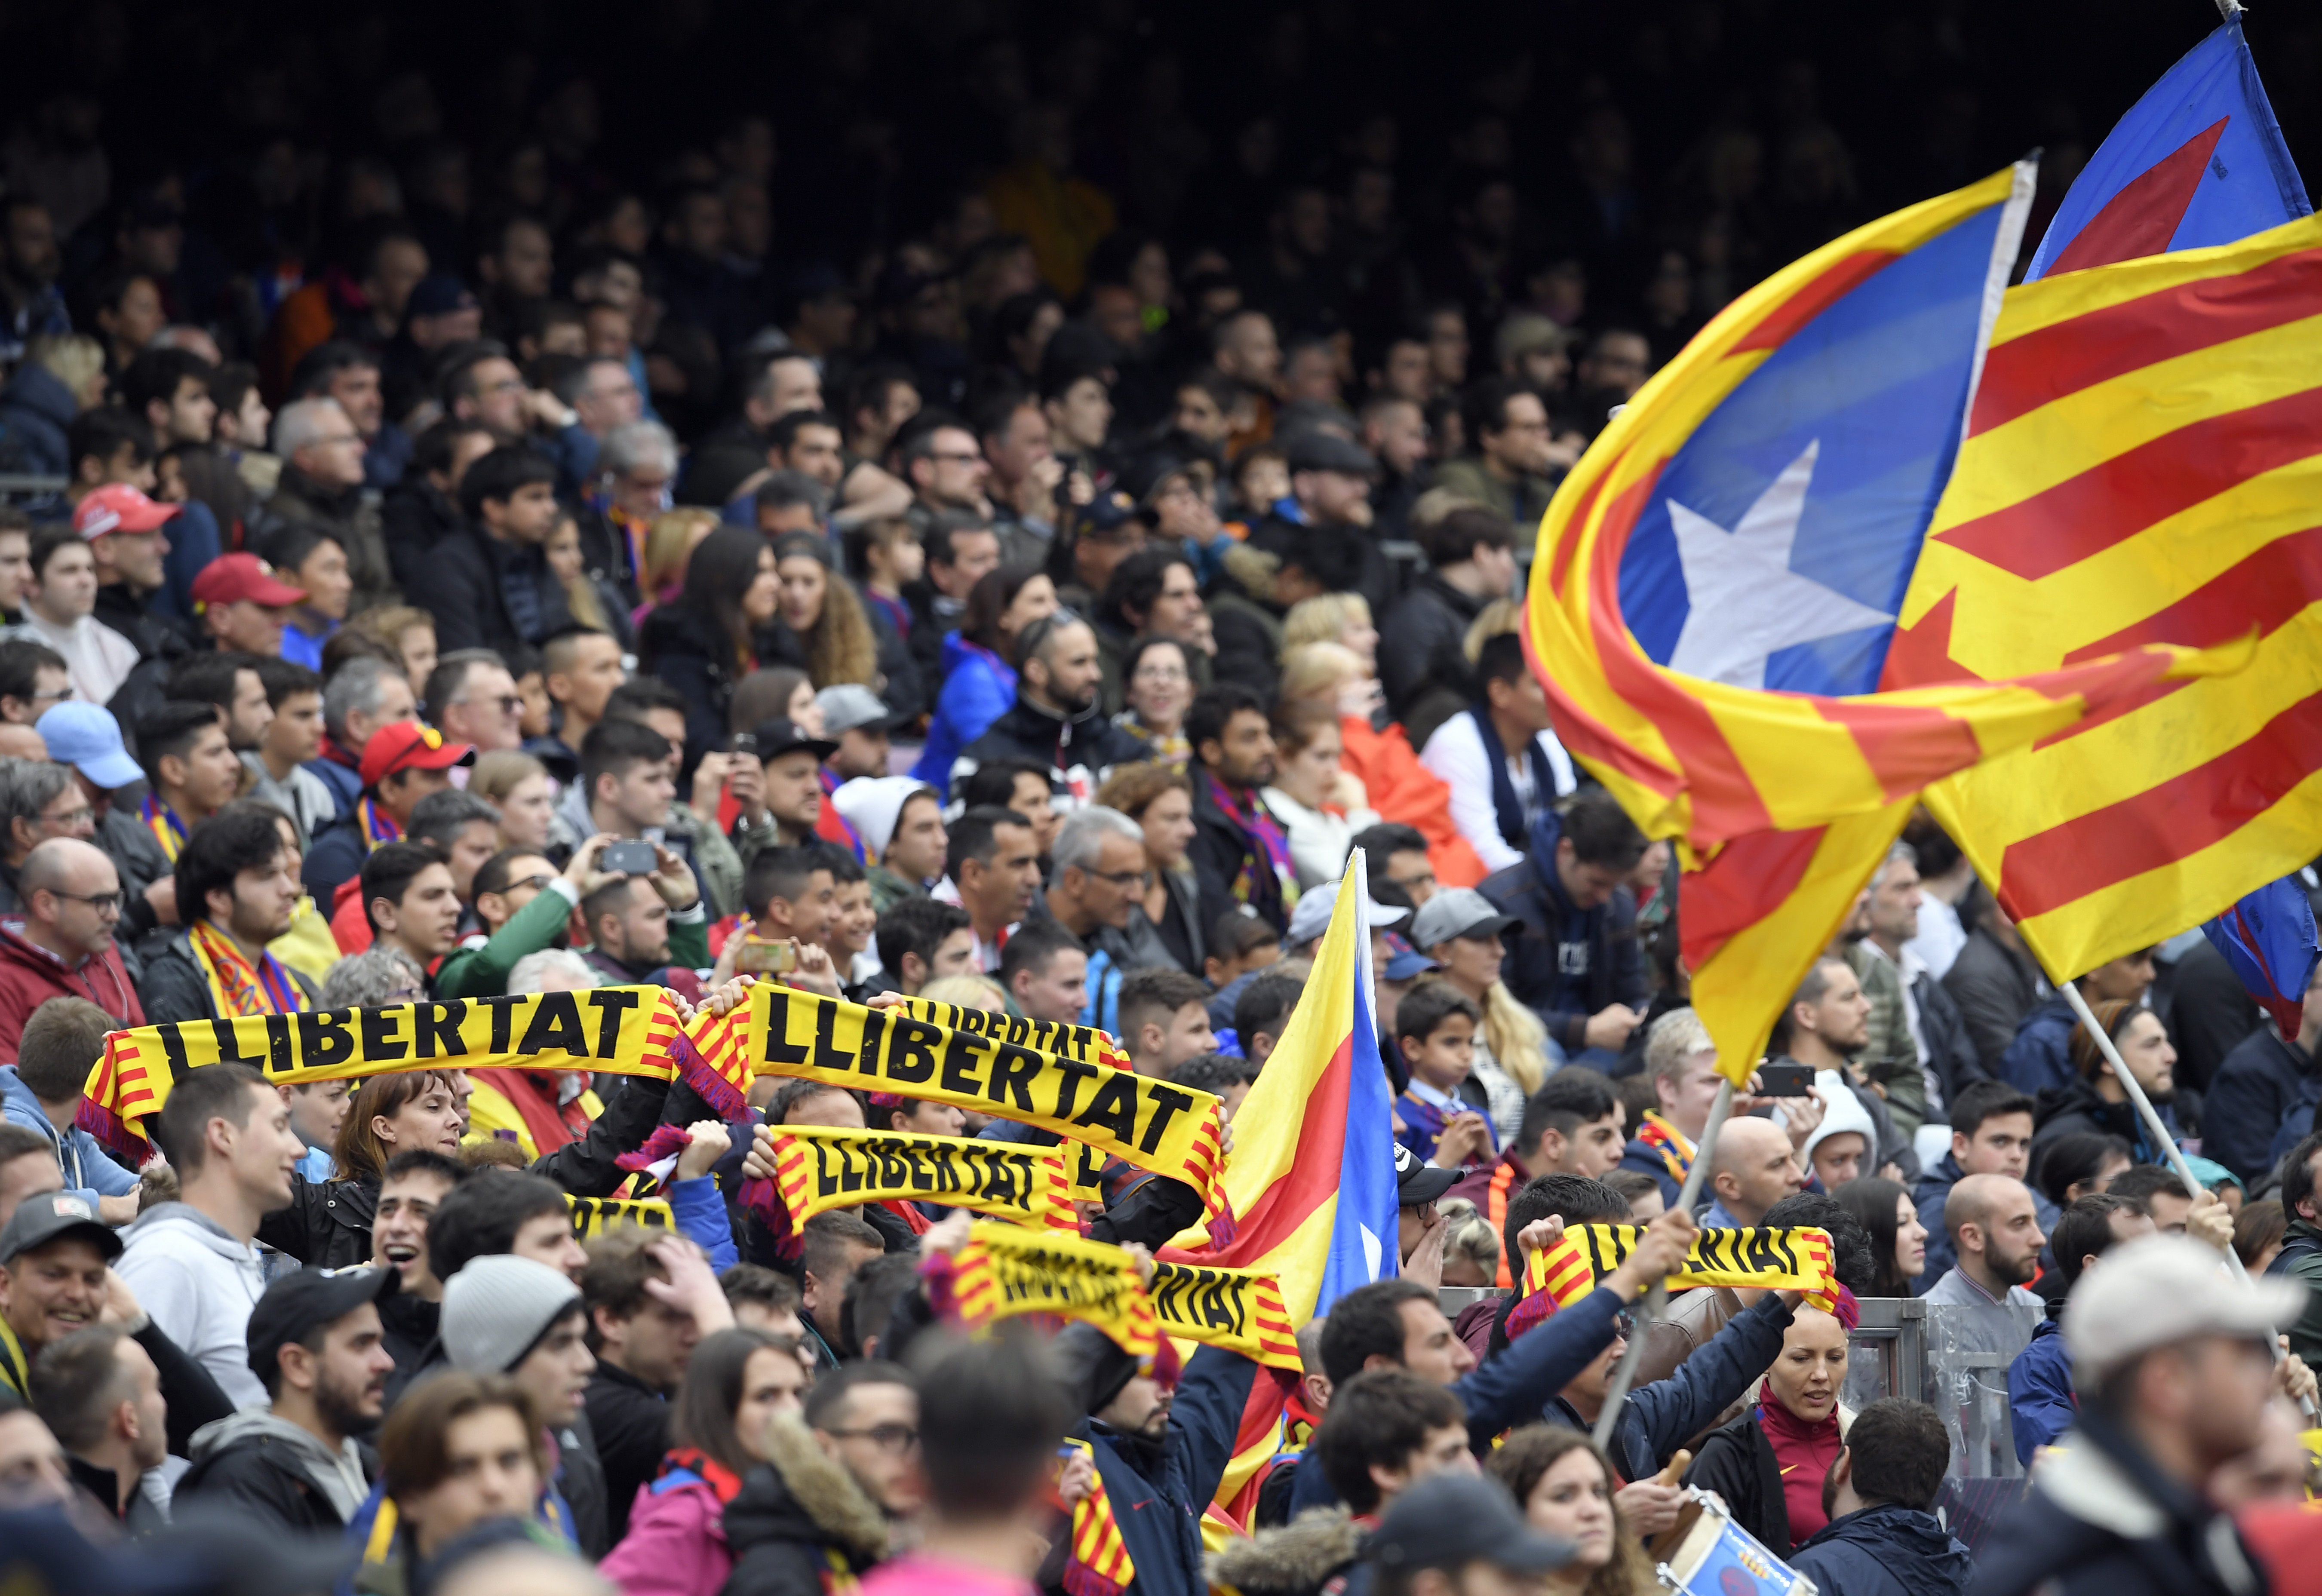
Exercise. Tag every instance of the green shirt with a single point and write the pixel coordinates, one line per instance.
(483, 971)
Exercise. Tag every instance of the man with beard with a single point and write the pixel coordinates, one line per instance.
(1056, 722)
(1240, 852)
(1997, 1235)
(315, 1342)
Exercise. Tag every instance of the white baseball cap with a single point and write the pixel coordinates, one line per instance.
(2162, 1290)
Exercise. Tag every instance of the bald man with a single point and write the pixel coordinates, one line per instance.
(1753, 1167)
(1997, 1235)
(62, 947)
(19, 741)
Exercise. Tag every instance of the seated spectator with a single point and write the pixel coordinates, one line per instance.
(1513, 468)
(1056, 724)
(1752, 1168)
(1261, 1009)
(921, 940)
(820, 1488)
(979, 664)
(2040, 1400)
(1044, 970)
(1499, 756)
(1574, 961)
(854, 716)
(961, 549)
(323, 448)
(519, 786)
(526, 905)
(1240, 852)
(1153, 594)
(1157, 688)
(61, 602)
(705, 642)
(995, 869)
(827, 632)
(2255, 1100)
(1461, 930)
(191, 768)
(470, 697)
(643, 928)
(408, 901)
(363, 697)
(1996, 1238)
(1164, 924)
(292, 740)
(402, 764)
(1471, 562)
(1319, 802)
(317, 1345)
(1398, 853)
(1883, 1535)
(2093, 1098)
(458, 1451)
(899, 820)
(490, 588)
(63, 944)
(99, 1391)
(1991, 1134)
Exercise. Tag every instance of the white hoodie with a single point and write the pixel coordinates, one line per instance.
(199, 1284)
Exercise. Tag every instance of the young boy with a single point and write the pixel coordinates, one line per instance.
(887, 557)
(1241, 944)
(848, 934)
(1435, 1026)
(1164, 1021)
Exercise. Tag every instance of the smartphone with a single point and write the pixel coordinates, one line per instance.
(628, 859)
(1784, 1080)
(761, 957)
(746, 744)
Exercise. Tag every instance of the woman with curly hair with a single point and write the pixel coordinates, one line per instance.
(821, 610)
(1567, 1489)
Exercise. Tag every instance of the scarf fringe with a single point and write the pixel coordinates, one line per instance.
(665, 1140)
(110, 1129)
(686, 1062)
(763, 1200)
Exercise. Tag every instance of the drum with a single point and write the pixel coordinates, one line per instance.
(1706, 1554)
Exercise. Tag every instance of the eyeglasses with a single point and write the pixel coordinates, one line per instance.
(1624, 1324)
(58, 697)
(1159, 675)
(538, 883)
(84, 816)
(887, 1437)
(1122, 877)
(99, 901)
(956, 459)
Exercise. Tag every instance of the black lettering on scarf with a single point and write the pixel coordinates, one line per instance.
(911, 1051)
(323, 1038)
(960, 1063)
(381, 1042)
(1114, 1108)
(612, 1007)
(779, 1050)
(437, 1029)
(229, 1049)
(1168, 1102)
(1012, 1070)
(555, 1026)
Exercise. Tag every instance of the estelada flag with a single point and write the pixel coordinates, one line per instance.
(1718, 579)
(2142, 464)
(1312, 1178)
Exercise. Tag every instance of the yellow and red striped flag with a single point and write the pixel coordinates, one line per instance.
(2142, 464)
(1100, 1564)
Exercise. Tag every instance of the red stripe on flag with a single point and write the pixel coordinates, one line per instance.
(2142, 217)
(2110, 503)
(2165, 822)
(1567, 542)
(2027, 372)
(1749, 879)
(1836, 281)
(1921, 655)
(1906, 745)
(1312, 1178)
(2264, 590)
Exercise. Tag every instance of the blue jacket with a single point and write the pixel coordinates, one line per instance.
(1158, 1491)
(2041, 1055)
(978, 687)
(2039, 1389)
(2263, 1084)
(1520, 1384)
(89, 1174)
(1662, 1417)
(1566, 962)
(344, 781)
(1889, 1550)
(36, 410)
(1643, 1160)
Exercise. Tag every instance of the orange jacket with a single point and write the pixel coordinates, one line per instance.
(1407, 792)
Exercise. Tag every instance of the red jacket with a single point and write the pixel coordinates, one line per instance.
(29, 976)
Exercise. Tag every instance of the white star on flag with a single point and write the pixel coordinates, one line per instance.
(1745, 602)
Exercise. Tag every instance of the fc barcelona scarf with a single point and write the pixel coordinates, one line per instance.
(1100, 1564)
(162, 821)
(238, 986)
(1675, 1148)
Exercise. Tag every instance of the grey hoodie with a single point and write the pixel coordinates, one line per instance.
(338, 1475)
(199, 1284)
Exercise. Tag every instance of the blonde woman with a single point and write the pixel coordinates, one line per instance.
(1343, 619)
(1398, 786)
(670, 542)
(1461, 930)
(968, 991)
(1471, 1247)
(61, 377)
(410, 631)
(518, 785)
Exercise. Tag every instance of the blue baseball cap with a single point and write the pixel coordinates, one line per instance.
(87, 737)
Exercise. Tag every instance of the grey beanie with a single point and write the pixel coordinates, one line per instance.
(498, 1308)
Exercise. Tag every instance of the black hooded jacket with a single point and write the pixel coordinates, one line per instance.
(801, 1525)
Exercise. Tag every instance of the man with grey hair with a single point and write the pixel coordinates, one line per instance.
(1098, 869)
(550, 970)
(364, 696)
(380, 975)
(603, 396)
(471, 697)
(38, 800)
(322, 486)
(60, 943)
(1892, 1057)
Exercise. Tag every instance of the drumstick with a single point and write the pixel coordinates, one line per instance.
(1675, 1470)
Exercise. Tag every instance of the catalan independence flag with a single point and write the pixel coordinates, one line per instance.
(1718, 583)
(2142, 464)
(1312, 1173)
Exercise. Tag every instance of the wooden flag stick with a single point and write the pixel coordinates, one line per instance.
(1657, 1297)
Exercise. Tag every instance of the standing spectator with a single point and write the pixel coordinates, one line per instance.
(2039, 1057)
(2171, 1363)
(460, 1451)
(422, 509)
(579, 668)
(995, 868)
(707, 641)
(1461, 930)
(2094, 1099)
(1240, 852)
(1471, 562)
(1997, 1237)
(1944, 1049)
(236, 889)
(2039, 1380)
(316, 1345)
(921, 940)
(1991, 1134)
(643, 1340)
(100, 1392)
(829, 1483)
(1883, 1538)
(1792, 1437)
(1576, 961)
(29, 261)
(1993, 981)
(1500, 757)
(60, 601)
(57, 1046)
(192, 1262)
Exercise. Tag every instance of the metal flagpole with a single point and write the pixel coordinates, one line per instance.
(2128, 1083)
(1657, 1297)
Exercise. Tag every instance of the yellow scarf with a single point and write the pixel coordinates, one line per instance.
(594, 1215)
(1239, 1309)
(818, 1168)
(1100, 1564)
(1004, 1271)
(237, 985)
(1754, 1258)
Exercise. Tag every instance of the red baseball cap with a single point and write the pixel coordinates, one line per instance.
(231, 577)
(119, 507)
(410, 745)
